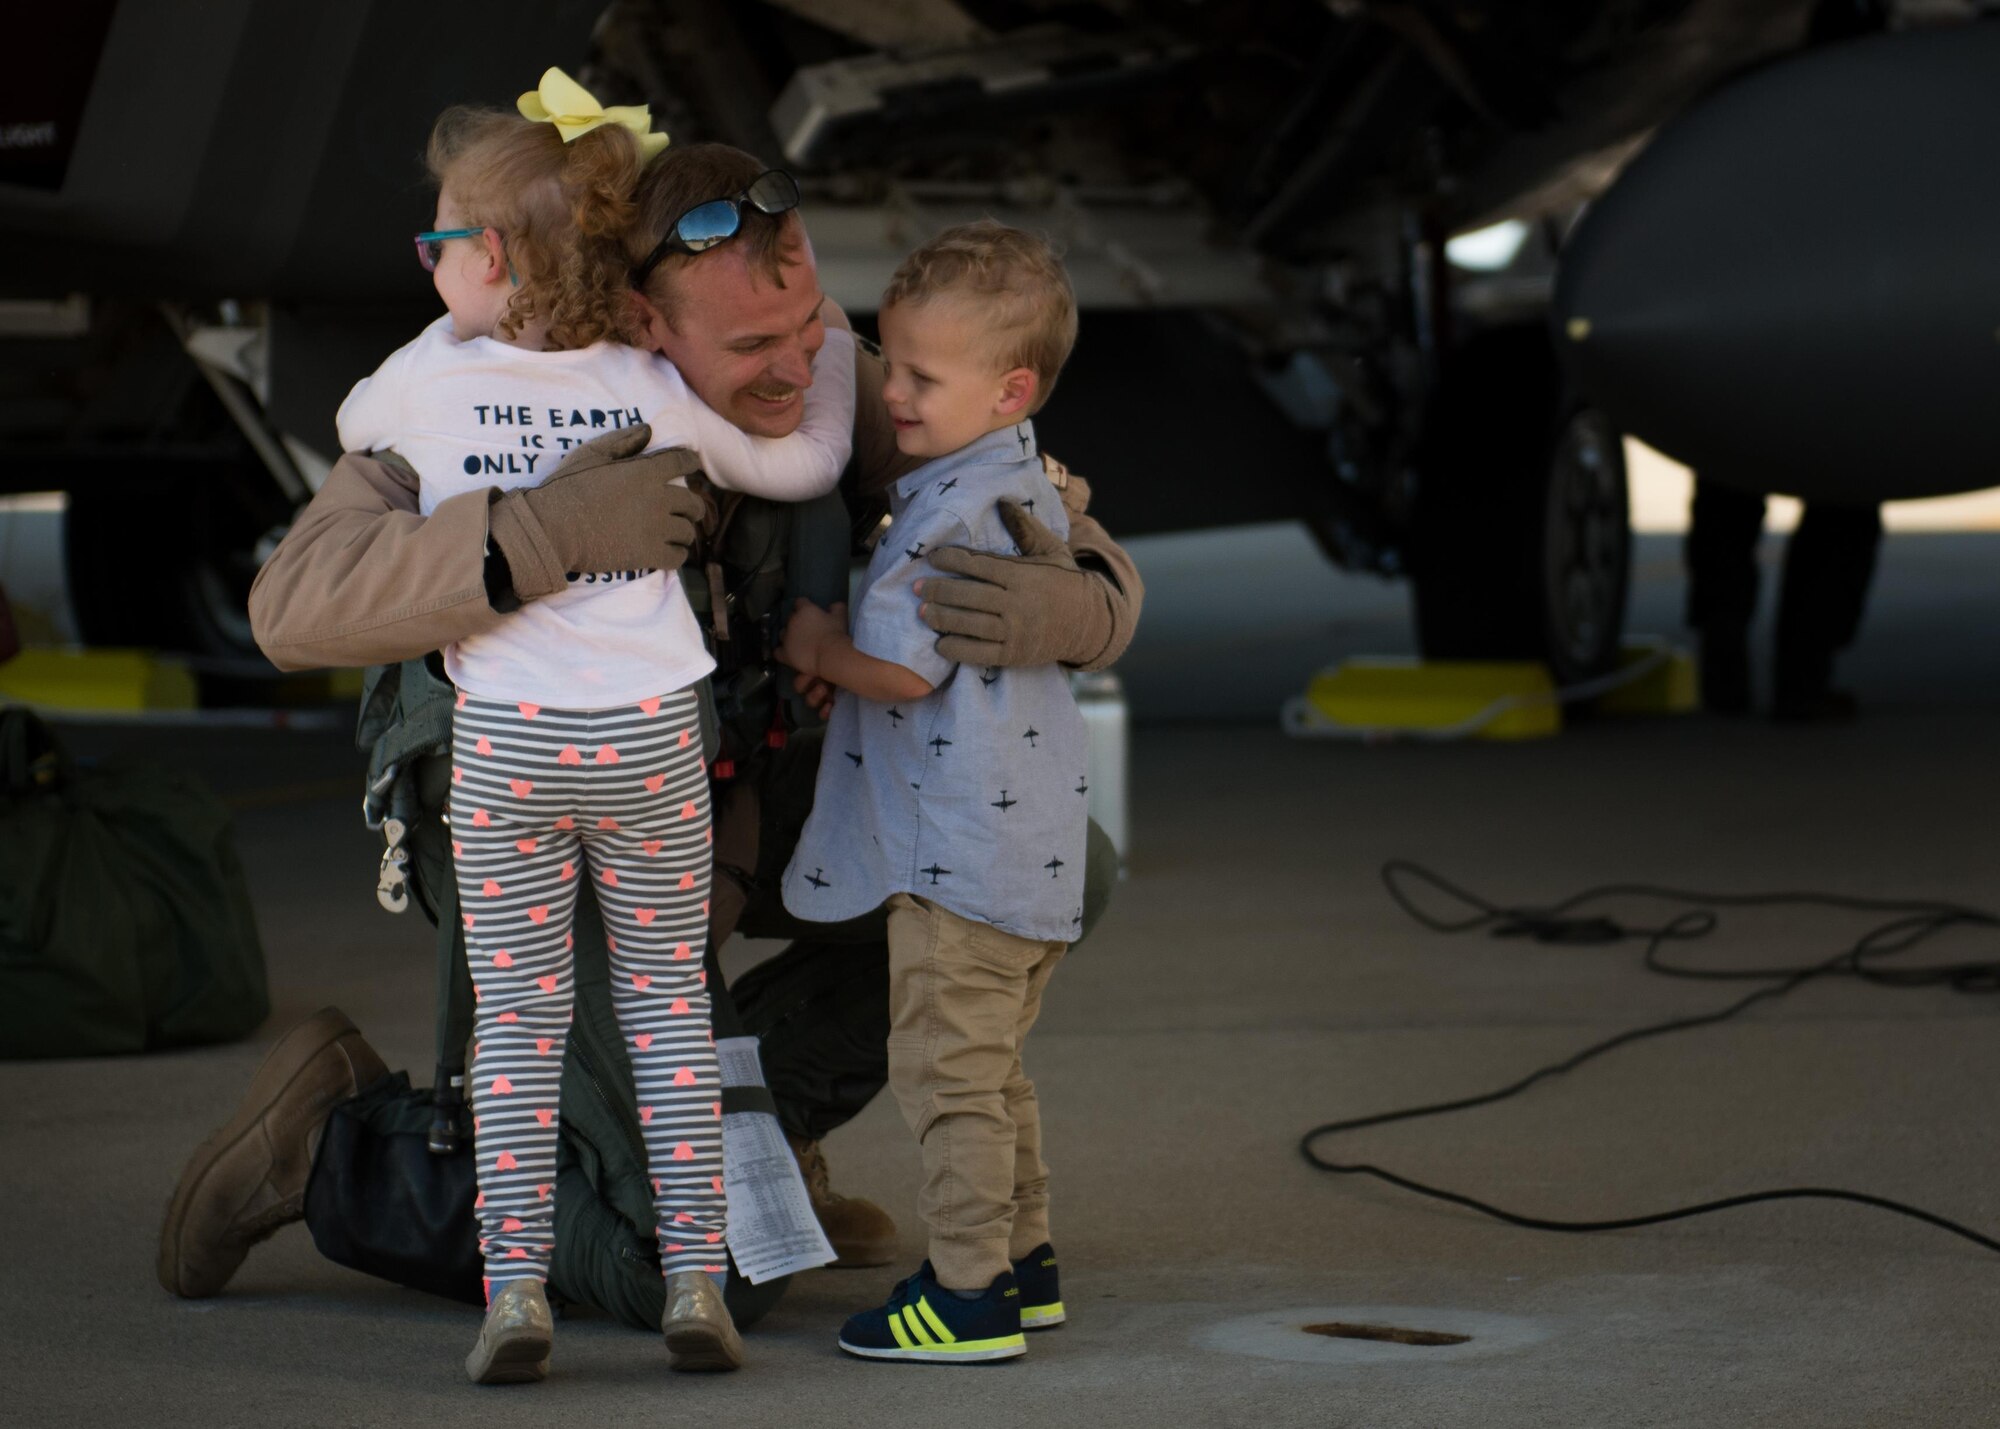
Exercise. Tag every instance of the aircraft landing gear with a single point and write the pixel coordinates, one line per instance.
(1521, 539)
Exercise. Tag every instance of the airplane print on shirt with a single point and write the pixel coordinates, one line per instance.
(968, 796)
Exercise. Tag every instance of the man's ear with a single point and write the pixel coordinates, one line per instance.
(1017, 392)
(649, 318)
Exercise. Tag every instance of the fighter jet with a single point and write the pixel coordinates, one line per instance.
(1406, 270)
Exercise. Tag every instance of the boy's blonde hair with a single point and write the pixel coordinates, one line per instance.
(561, 211)
(1018, 285)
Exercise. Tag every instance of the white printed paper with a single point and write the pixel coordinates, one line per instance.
(772, 1228)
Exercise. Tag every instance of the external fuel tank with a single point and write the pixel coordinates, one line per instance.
(1796, 285)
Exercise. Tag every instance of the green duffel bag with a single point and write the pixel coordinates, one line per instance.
(125, 921)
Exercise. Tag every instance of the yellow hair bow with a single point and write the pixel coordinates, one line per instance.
(561, 101)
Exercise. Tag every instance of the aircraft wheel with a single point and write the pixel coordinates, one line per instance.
(1521, 542)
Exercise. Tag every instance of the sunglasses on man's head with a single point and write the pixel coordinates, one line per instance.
(430, 246)
(706, 224)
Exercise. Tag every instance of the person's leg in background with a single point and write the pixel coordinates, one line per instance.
(1724, 525)
(1828, 569)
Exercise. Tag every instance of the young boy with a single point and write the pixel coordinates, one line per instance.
(956, 795)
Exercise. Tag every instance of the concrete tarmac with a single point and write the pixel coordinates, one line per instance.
(1250, 980)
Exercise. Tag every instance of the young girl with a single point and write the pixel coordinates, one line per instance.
(575, 748)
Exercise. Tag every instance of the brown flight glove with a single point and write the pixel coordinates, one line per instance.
(1037, 608)
(606, 508)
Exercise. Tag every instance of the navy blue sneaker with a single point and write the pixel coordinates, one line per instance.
(925, 1322)
(1041, 1295)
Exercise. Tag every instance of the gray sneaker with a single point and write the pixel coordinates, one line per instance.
(514, 1342)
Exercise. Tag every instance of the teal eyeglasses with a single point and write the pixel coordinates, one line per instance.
(430, 246)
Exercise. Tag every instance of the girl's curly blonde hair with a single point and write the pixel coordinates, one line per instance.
(561, 211)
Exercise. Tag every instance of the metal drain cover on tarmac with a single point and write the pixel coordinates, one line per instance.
(1373, 1334)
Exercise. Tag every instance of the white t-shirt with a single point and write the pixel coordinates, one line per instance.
(473, 415)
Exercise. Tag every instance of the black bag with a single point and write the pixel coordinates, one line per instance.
(125, 921)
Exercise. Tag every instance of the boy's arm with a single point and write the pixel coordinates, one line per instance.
(891, 654)
(816, 644)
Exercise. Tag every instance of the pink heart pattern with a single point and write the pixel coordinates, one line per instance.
(507, 1231)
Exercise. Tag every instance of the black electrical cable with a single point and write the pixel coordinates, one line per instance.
(1560, 923)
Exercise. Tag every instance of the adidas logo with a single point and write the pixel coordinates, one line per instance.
(1010, 1291)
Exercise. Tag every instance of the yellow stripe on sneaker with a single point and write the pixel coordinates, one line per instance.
(896, 1329)
(916, 1325)
(966, 1347)
(937, 1325)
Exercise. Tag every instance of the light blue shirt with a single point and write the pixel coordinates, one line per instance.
(973, 796)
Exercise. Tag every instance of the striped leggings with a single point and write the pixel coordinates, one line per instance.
(542, 798)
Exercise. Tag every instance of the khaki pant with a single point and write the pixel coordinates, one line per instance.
(962, 996)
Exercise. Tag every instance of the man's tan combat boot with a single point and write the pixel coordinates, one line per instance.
(249, 1178)
(859, 1231)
